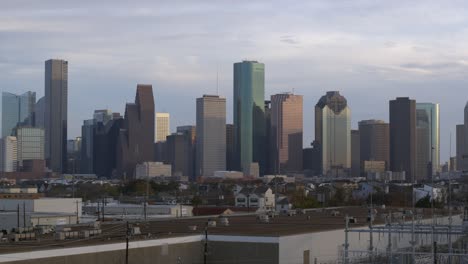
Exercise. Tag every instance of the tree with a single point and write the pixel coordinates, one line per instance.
(424, 202)
(299, 200)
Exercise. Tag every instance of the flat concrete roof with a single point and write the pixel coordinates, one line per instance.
(245, 225)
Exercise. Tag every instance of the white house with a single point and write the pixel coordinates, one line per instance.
(260, 197)
(436, 193)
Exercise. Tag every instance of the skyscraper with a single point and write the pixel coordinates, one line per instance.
(460, 146)
(9, 154)
(211, 135)
(30, 144)
(374, 142)
(333, 133)
(403, 136)
(230, 147)
(56, 114)
(162, 126)
(428, 139)
(286, 132)
(87, 146)
(189, 133)
(39, 113)
(136, 139)
(177, 151)
(355, 153)
(17, 110)
(249, 115)
(105, 147)
(465, 148)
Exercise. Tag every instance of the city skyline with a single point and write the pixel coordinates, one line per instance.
(390, 57)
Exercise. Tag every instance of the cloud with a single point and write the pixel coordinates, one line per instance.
(368, 48)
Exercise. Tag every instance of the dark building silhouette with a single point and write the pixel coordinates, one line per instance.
(176, 153)
(136, 139)
(374, 142)
(312, 159)
(56, 114)
(403, 136)
(355, 154)
(106, 139)
(230, 147)
(189, 133)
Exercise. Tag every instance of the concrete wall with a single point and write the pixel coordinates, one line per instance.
(186, 250)
(56, 205)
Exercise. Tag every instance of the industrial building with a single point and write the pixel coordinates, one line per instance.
(316, 236)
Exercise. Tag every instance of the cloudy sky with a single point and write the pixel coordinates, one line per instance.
(371, 51)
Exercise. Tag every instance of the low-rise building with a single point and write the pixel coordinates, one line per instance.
(228, 174)
(261, 197)
(152, 169)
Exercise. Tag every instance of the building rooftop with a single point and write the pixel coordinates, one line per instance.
(239, 225)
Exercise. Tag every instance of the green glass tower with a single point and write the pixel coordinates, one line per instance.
(249, 115)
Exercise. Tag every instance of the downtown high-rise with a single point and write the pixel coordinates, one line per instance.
(136, 136)
(56, 114)
(249, 116)
(403, 137)
(427, 140)
(17, 110)
(286, 132)
(211, 135)
(162, 126)
(333, 134)
(374, 141)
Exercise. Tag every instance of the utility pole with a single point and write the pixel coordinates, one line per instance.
(18, 217)
(205, 253)
(24, 214)
(346, 245)
(127, 239)
(77, 213)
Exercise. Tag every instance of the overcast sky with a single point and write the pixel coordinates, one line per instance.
(371, 51)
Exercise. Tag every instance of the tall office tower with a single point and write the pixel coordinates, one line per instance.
(30, 144)
(460, 146)
(333, 133)
(211, 135)
(286, 132)
(374, 143)
(230, 147)
(17, 110)
(87, 146)
(355, 153)
(162, 126)
(189, 133)
(403, 137)
(249, 116)
(39, 113)
(427, 140)
(102, 116)
(56, 114)
(136, 139)
(465, 148)
(105, 140)
(9, 157)
(269, 166)
(177, 151)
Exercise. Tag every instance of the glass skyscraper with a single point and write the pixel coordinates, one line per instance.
(30, 144)
(428, 137)
(333, 133)
(17, 110)
(56, 114)
(249, 115)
